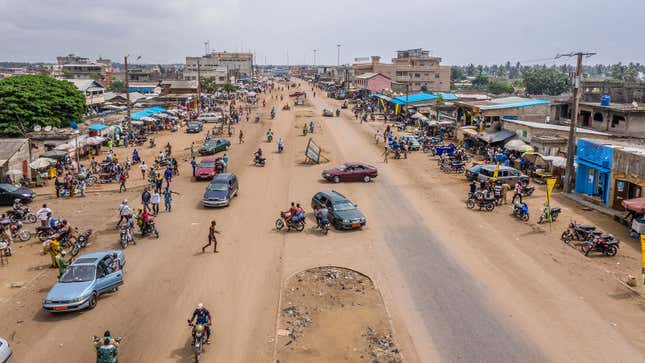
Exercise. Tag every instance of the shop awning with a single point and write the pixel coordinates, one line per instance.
(592, 166)
(636, 204)
(496, 137)
(97, 127)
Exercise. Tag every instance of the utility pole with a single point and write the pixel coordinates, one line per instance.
(571, 147)
(199, 86)
(338, 60)
(127, 94)
(314, 57)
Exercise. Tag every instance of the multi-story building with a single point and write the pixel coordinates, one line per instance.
(74, 67)
(235, 65)
(412, 70)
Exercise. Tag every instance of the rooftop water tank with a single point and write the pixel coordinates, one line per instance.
(605, 100)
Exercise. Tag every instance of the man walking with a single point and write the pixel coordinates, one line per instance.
(193, 163)
(212, 239)
(143, 168)
(518, 192)
(122, 179)
(386, 152)
(145, 199)
(155, 200)
(167, 199)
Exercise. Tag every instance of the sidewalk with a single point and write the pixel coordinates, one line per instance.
(579, 198)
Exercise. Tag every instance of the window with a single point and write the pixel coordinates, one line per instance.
(421, 63)
(436, 75)
(417, 75)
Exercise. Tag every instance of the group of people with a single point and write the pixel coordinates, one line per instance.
(497, 190)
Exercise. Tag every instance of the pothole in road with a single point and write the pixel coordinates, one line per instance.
(332, 314)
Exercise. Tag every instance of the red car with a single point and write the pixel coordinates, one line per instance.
(205, 170)
(350, 172)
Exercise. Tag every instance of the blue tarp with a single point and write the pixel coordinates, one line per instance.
(415, 97)
(141, 89)
(97, 127)
(514, 105)
(147, 112)
(447, 96)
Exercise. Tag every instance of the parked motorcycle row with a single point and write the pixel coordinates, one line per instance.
(591, 239)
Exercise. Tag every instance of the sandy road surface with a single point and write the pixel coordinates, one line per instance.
(454, 293)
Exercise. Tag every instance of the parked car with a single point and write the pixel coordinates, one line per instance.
(473, 172)
(350, 172)
(296, 94)
(5, 351)
(85, 279)
(9, 193)
(214, 146)
(205, 169)
(328, 113)
(194, 127)
(210, 117)
(414, 142)
(506, 175)
(343, 214)
(221, 190)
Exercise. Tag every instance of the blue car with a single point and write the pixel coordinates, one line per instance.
(84, 280)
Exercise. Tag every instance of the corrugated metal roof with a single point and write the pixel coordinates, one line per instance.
(499, 106)
(416, 97)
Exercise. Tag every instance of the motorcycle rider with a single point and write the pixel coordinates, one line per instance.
(145, 218)
(203, 317)
(290, 213)
(106, 348)
(322, 215)
(280, 145)
(65, 232)
(311, 127)
(270, 135)
(135, 156)
(258, 156)
(19, 209)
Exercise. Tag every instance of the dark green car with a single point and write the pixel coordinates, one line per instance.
(343, 214)
(214, 146)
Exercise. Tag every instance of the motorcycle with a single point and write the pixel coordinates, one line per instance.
(81, 242)
(579, 232)
(337, 113)
(259, 161)
(99, 358)
(45, 233)
(64, 192)
(483, 203)
(150, 227)
(453, 167)
(281, 223)
(17, 232)
(24, 214)
(554, 215)
(521, 211)
(527, 190)
(269, 138)
(125, 238)
(304, 131)
(324, 225)
(606, 244)
(199, 339)
(272, 115)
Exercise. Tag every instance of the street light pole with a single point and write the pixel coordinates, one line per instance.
(314, 57)
(127, 93)
(338, 60)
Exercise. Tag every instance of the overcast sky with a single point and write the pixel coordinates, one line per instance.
(460, 31)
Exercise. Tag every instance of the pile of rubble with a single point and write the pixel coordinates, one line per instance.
(381, 347)
(296, 321)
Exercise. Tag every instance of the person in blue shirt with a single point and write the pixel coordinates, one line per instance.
(202, 316)
(311, 127)
(168, 176)
(193, 163)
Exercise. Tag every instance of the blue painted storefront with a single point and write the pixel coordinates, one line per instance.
(593, 174)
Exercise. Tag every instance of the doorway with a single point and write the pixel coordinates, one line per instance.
(624, 190)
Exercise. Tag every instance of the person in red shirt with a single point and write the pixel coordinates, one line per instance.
(122, 179)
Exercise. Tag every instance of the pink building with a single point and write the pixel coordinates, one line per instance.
(375, 82)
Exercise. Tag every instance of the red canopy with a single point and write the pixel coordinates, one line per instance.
(636, 204)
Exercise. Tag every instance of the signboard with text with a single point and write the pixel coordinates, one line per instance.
(313, 152)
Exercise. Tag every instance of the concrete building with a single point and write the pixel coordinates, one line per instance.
(610, 172)
(514, 108)
(375, 82)
(178, 87)
(91, 89)
(619, 91)
(548, 139)
(411, 71)
(617, 118)
(74, 67)
(15, 154)
(235, 65)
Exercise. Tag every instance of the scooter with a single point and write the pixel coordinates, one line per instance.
(521, 211)
(554, 215)
(259, 161)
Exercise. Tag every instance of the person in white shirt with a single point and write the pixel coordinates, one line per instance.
(43, 215)
(155, 200)
(143, 168)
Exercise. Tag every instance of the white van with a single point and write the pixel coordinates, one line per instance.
(210, 117)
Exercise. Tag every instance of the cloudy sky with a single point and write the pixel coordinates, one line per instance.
(461, 31)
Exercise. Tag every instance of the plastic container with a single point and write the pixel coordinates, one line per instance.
(605, 100)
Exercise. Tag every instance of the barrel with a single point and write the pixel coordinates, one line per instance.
(605, 100)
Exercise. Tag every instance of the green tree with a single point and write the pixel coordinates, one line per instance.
(630, 73)
(499, 87)
(617, 71)
(457, 74)
(424, 89)
(208, 84)
(117, 85)
(481, 81)
(228, 87)
(544, 81)
(30, 100)
(440, 100)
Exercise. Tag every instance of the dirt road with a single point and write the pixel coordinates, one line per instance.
(459, 285)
